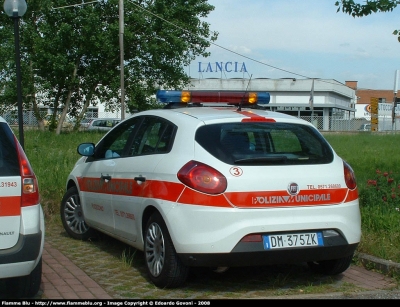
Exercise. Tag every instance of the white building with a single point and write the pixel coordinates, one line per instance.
(333, 103)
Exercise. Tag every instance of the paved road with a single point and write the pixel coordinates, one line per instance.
(62, 279)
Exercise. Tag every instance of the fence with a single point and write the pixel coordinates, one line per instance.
(30, 120)
(335, 124)
(322, 123)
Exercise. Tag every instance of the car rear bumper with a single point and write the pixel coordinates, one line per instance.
(28, 248)
(271, 257)
(219, 231)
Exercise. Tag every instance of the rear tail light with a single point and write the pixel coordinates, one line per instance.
(30, 191)
(202, 177)
(349, 176)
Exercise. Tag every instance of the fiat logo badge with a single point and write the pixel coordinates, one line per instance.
(293, 188)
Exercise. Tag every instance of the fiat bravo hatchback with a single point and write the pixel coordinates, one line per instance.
(214, 180)
(21, 219)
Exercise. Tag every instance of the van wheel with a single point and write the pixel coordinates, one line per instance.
(162, 263)
(331, 267)
(25, 286)
(72, 216)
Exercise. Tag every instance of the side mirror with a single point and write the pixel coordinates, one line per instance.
(86, 149)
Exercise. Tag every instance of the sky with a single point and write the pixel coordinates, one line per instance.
(301, 39)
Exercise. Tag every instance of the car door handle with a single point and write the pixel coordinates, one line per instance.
(140, 178)
(105, 177)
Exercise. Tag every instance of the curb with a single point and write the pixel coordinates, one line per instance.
(387, 267)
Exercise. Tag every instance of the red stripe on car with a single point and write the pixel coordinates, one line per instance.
(177, 192)
(10, 206)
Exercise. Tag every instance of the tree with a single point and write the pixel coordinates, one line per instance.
(70, 54)
(370, 6)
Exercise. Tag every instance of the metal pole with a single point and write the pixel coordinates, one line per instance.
(121, 49)
(19, 87)
(396, 76)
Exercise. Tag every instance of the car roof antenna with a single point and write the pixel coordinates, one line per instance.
(241, 102)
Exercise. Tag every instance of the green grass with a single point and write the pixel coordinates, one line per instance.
(53, 157)
(375, 161)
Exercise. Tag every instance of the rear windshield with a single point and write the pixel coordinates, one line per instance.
(9, 165)
(264, 144)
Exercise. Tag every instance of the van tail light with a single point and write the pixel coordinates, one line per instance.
(203, 178)
(30, 190)
(349, 176)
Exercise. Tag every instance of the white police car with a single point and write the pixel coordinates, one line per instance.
(216, 186)
(21, 219)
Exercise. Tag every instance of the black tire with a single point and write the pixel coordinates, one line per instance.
(72, 216)
(162, 263)
(331, 267)
(25, 286)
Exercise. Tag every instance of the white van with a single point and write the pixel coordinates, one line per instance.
(21, 219)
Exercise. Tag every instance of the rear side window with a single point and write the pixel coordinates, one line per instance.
(264, 144)
(9, 165)
(155, 135)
